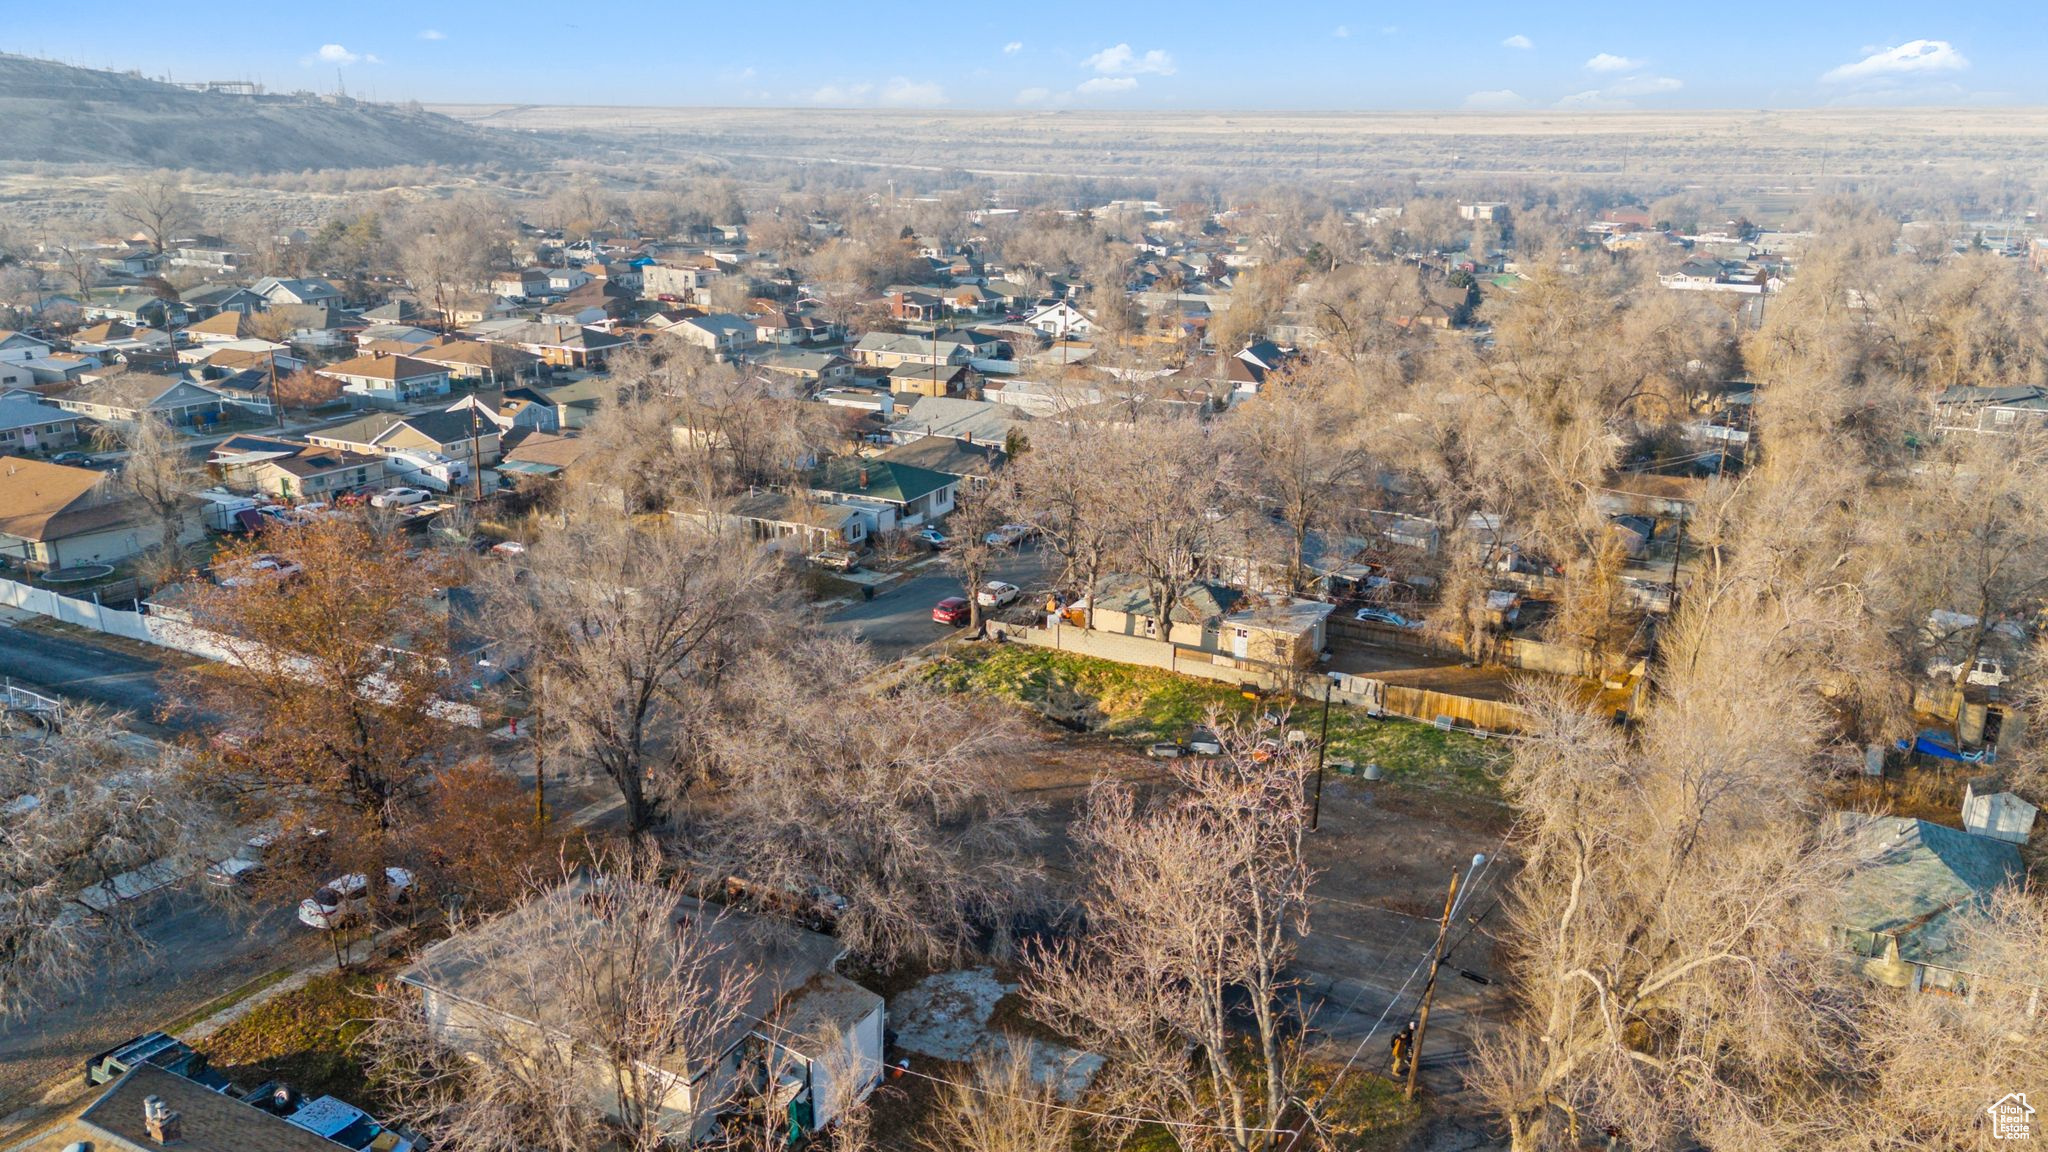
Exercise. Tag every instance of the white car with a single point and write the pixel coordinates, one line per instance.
(1986, 672)
(262, 568)
(346, 897)
(1009, 535)
(995, 594)
(399, 497)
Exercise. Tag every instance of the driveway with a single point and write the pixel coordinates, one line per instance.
(899, 620)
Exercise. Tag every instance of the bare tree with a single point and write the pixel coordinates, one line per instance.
(160, 472)
(1003, 1107)
(1173, 485)
(824, 791)
(158, 205)
(595, 1014)
(1194, 906)
(621, 627)
(80, 804)
(1299, 442)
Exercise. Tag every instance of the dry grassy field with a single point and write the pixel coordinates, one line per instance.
(1762, 148)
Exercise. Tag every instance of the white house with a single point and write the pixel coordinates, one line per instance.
(391, 379)
(802, 1024)
(1062, 320)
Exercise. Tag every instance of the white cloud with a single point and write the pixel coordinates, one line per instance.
(1914, 56)
(840, 94)
(1013, 47)
(901, 92)
(1119, 60)
(1609, 62)
(336, 54)
(1102, 84)
(1644, 85)
(1343, 32)
(1496, 100)
(1518, 41)
(747, 73)
(432, 34)
(1034, 95)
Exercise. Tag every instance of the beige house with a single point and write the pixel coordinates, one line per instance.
(455, 435)
(393, 379)
(57, 517)
(1210, 618)
(487, 996)
(292, 469)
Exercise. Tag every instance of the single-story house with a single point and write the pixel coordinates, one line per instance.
(389, 379)
(126, 397)
(542, 455)
(561, 345)
(968, 461)
(1217, 620)
(1912, 879)
(476, 360)
(721, 333)
(805, 368)
(978, 421)
(800, 1017)
(888, 349)
(223, 328)
(2005, 410)
(891, 496)
(292, 469)
(927, 380)
(18, 346)
(150, 1108)
(455, 435)
(810, 523)
(55, 517)
(277, 291)
(26, 426)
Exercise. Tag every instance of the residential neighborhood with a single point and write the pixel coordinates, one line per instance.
(758, 626)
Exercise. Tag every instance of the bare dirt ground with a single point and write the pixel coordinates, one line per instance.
(1789, 147)
(1385, 855)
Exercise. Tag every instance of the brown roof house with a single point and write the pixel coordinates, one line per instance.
(292, 469)
(383, 379)
(52, 516)
(150, 1108)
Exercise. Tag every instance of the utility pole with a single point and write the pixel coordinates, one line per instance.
(1436, 959)
(1315, 813)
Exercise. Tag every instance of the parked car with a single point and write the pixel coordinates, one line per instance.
(265, 567)
(400, 497)
(952, 610)
(933, 538)
(72, 459)
(259, 853)
(835, 560)
(1385, 616)
(996, 594)
(346, 897)
(1985, 671)
(1009, 535)
(1166, 750)
(1203, 742)
(508, 548)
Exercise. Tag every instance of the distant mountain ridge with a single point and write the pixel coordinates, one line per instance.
(59, 114)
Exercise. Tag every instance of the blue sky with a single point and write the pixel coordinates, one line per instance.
(1100, 54)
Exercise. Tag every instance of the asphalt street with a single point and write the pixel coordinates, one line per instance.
(74, 667)
(899, 619)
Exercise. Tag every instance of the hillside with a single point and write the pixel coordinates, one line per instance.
(59, 114)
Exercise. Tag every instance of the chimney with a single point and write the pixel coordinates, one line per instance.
(165, 1126)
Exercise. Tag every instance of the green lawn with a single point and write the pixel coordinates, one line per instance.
(1136, 703)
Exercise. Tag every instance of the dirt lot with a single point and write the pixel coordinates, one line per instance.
(1384, 853)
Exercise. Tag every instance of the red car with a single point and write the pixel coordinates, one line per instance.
(951, 610)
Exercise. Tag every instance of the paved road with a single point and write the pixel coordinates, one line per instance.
(74, 667)
(191, 952)
(900, 619)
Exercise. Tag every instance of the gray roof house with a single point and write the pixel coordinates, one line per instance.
(1912, 879)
